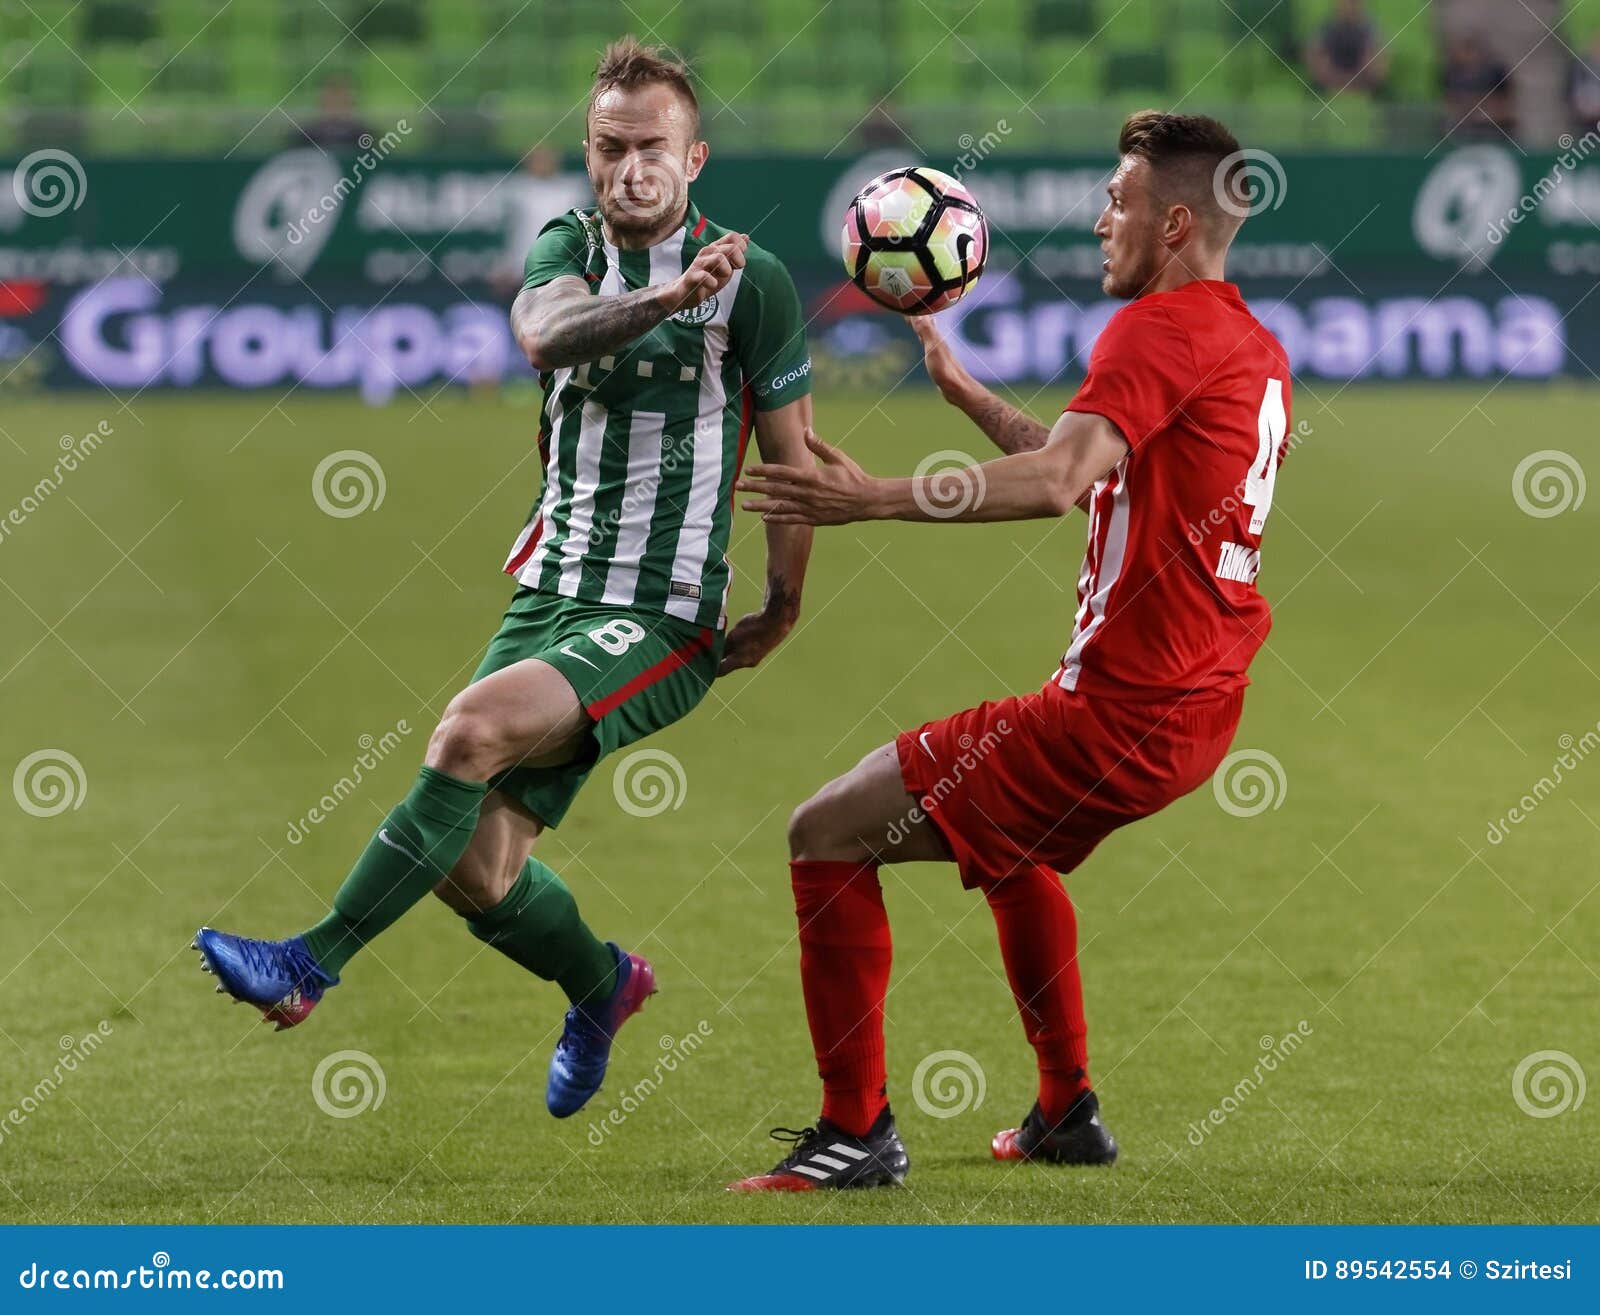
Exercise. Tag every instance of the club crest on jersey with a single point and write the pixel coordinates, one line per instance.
(697, 314)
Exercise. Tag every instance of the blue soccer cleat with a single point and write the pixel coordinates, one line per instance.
(280, 978)
(578, 1066)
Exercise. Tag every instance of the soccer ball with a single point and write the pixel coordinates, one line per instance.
(915, 240)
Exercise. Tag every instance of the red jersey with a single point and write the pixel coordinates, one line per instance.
(1167, 598)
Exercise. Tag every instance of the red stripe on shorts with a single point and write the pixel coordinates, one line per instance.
(651, 674)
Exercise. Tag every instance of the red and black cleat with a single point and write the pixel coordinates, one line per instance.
(1080, 1137)
(828, 1156)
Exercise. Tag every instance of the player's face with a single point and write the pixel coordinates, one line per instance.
(642, 156)
(1129, 229)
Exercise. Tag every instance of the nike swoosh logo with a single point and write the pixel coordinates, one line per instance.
(923, 740)
(383, 835)
(567, 649)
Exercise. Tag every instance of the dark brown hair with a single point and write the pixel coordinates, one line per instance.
(627, 64)
(1185, 151)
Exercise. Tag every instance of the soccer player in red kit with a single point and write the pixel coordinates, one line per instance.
(1172, 446)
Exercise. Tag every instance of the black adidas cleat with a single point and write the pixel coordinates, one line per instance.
(1080, 1137)
(827, 1156)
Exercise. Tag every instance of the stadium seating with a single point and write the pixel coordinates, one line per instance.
(779, 72)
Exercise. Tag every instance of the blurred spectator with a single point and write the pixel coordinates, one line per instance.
(534, 196)
(1584, 92)
(337, 125)
(1346, 54)
(881, 128)
(1477, 90)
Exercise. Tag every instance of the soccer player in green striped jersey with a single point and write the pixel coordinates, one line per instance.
(662, 341)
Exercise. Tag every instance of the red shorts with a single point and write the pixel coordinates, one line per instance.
(1043, 778)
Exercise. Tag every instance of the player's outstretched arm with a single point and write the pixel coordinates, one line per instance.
(1050, 481)
(562, 323)
(1009, 429)
(781, 439)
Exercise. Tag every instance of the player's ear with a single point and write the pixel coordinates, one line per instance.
(1179, 226)
(699, 153)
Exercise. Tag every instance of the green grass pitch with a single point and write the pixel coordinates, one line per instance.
(180, 617)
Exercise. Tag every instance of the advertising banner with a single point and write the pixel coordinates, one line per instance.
(384, 270)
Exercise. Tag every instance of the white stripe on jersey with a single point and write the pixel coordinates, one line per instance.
(611, 285)
(666, 260)
(694, 536)
(575, 545)
(1092, 613)
(666, 263)
(641, 484)
(529, 574)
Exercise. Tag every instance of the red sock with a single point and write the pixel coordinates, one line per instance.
(844, 973)
(1039, 944)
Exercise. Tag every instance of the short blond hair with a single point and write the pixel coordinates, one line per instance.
(628, 63)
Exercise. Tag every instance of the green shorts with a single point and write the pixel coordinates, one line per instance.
(634, 671)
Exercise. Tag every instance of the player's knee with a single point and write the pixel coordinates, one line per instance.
(815, 833)
(467, 742)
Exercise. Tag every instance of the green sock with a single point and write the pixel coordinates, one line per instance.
(537, 926)
(414, 850)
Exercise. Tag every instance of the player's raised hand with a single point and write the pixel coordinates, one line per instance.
(947, 373)
(836, 492)
(709, 272)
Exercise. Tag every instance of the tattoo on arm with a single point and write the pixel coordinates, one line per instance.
(782, 600)
(561, 324)
(1009, 428)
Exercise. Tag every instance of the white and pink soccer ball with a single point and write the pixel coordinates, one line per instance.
(915, 240)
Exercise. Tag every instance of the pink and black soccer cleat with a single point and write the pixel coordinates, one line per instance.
(578, 1066)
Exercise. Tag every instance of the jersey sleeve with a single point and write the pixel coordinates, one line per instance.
(1141, 372)
(769, 334)
(562, 247)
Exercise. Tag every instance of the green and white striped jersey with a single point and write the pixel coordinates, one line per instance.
(640, 448)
